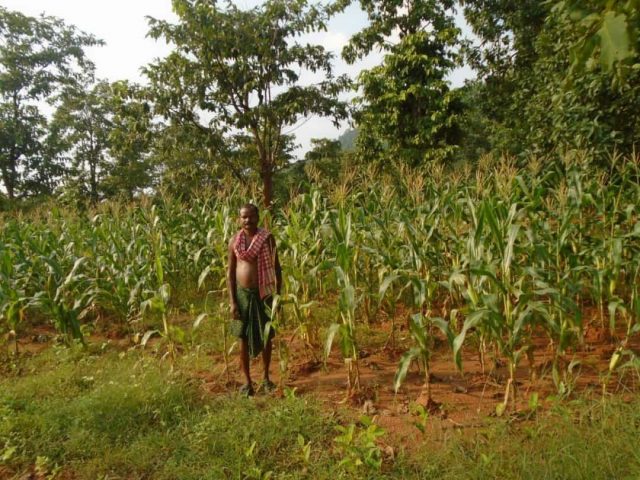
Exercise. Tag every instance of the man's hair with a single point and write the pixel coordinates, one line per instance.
(250, 206)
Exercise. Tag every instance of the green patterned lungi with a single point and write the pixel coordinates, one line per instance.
(253, 319)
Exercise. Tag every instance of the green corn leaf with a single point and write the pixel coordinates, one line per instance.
(486, 273)
(444, 327)
(508, 251)
(418, 331)
(614, 306)
(473, 320)
(403, 367)
(386, 283)
(196, 257)
(76, 266)
(203, 275)
(199, 320)
(347, 341)
(165, 293)
(331, 333)
(488, 213)
(147, 336)
(159, 268)
(615, 359)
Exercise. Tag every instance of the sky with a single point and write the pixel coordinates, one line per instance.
(123, 26)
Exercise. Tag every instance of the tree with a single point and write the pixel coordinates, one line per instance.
(608, 34)
(326, 156)
(132, 137)
(545, 71)
(241, 69)
(37, 57)
(80, 129)
(324, 149)
(506, 64)
(407, 109)
(473, 123)
(103, 133)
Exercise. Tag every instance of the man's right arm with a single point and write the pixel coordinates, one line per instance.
(231, 280)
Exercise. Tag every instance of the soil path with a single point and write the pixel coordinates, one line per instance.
(460, 400)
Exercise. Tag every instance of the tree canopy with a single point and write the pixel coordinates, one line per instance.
(555, 77)
(38, 56)
(225, 103)
(237, 71)
(407, 109)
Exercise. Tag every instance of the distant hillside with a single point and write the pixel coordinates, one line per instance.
(348, 139)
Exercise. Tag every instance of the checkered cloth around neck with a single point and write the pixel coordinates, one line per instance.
(260, 250)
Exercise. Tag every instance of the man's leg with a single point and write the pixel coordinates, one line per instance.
(244, 359)
(266, 359)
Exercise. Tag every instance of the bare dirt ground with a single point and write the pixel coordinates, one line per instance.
(461, 400)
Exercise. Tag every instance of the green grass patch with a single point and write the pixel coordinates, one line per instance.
(128, 415)
(578, 440)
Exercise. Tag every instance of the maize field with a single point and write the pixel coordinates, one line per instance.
(485, 259)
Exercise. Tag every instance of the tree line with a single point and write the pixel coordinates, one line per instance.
(552, 77)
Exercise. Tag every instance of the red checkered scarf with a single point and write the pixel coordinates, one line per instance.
(261, 250)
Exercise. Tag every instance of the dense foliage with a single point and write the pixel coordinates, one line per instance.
(552, 78)
(490, 257)
(38, 57)
(243, 68)
(540, 91)
(406, 110)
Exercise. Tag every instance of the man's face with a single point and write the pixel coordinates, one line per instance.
(248, 219)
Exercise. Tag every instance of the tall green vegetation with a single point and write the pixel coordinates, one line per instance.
(487, 260)
(38, 57)
(608, 34)
(552, 78)
(407, 110)
(243, 68)
(80, 129)
(556, 77)
(131, 142)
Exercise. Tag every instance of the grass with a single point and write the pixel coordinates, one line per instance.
(128, 415)
(111, 414)
(579, 440)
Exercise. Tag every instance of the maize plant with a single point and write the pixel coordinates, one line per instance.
(344, 264)
(489, 259)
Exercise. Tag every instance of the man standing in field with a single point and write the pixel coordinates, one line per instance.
(253, 276)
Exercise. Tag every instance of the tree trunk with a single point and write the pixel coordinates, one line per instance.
(267, 183)
(7, 183)
(10, 179)
(93, 182)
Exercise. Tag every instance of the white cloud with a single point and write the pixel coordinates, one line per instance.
(331, 40)
(120, 23)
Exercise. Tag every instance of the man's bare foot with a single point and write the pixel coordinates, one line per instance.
(247, 390)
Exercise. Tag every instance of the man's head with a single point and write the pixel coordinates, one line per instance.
(249, 218)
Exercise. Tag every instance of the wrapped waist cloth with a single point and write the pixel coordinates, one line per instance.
(254, 320)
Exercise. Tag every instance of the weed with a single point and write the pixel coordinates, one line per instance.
(357, 446)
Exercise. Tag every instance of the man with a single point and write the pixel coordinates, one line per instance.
(253, 276)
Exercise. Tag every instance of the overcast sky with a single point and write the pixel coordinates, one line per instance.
(123, 26)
